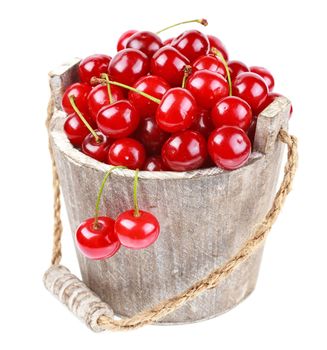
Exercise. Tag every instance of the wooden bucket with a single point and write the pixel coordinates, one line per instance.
(205, 216)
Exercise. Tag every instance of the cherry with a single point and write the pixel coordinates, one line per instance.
(211, 63)
(122, 41)
(153, 163)
(127, 152)
(229, 147)
(270, 99)
(152, 85)
(192, 44)
(251, 88)
(147, 42)
(99, 97)
(203, 123)
(232, 111)
(150, 135)
(167, 42)
(75, 130)
(217, 44)
(207, 87)
(236, 68)
(93, 66)
(80, 92)
(137, 229)
(184, 151)
(252, 129)
(169, 64)
(120, 119)
(128, 65)
(97, 149)
(265, 74)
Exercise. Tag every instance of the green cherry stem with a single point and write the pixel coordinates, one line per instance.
(219, 54)
(136, 204)
(202, 21)
(105, 76)
(97, 204)
(187, 72)
(78, 112)
(103, 81)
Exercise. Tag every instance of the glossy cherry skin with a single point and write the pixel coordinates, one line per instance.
(192, 44)
(217, 43)
(152, 85)
(137, 232)
(270, 99)
(229, 147)
(203, 123)
(169, 64)
(80, 92)
(211, 63)
(100, 242)
(177, 110)
(93, 66)
(122, 41)
(97, 150)
(251, 88)
(265, 74)
(147, 42)
(98, 97)
(236, 68)
(207, 87)
(150, 135)
(232, 111)
(75, 129)
(120, 119)
(153, 163)
(167, 41)
(127, 152)
(184, 151)
(128, 65)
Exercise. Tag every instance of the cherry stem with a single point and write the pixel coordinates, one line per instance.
(220, 55)
(187, 72)
(202, 21)
(103, 81)
(105, 76)
(78, 112)
(136, 204)
(97, 205)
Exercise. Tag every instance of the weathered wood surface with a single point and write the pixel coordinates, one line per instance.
(205, 217)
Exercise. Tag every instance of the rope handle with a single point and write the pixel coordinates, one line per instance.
(106, 320)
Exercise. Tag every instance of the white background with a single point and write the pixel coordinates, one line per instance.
(288, 308)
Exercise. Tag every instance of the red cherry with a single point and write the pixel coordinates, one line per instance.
(122, 41)
(169, 64)
(147, 42)
(97, 241)
(99, 97)
(93, 66)
(229, 147)
(232, 111)
(75, 130)
(186, 150)
(80, 92)
(207, 87)
(265, 74)
(236, 68)
(192, 44)
(167, 41)
(203, 123)
(270, 99)
(217, 43)
(96, 149)
(251, 88)
(128, 65)
(153, 163)
(152, 85)
(137, 232)
(151, 136)
(127, 152)
(177, 110)
(252, 129)
(120, 119)
(210, 62)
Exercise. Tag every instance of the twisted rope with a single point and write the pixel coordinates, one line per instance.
(215, 277)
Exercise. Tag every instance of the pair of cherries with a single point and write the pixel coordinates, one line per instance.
(101, 237)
